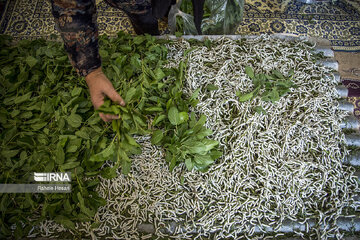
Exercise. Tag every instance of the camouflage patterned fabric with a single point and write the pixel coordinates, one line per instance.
(76, 22)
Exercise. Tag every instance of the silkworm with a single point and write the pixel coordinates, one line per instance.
(277, 166)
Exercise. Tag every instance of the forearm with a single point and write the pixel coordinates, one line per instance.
(76, 22)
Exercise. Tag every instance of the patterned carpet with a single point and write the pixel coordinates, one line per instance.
(336, 20)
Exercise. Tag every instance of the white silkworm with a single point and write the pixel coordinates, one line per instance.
(283, 165)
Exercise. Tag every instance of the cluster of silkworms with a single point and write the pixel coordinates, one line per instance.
(280, 166)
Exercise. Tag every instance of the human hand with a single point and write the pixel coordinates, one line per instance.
(100, 86)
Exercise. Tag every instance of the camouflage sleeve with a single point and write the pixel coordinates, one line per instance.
(76, 22)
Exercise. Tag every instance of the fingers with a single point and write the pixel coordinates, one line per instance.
(99, 86)
(114, 96)
(108, 117)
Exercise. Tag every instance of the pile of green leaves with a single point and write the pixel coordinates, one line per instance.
(270, 87)
(156, 105)
(48, 124)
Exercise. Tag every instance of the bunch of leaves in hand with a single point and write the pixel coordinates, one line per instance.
(123, 144)
(164, 105)
(135, 75)
(154, 95)
(270, 87)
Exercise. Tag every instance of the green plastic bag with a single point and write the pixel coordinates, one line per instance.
(223, 17)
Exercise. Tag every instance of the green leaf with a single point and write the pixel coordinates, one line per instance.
(139, 39)
(9, 153)
(125, 167)
(245, 97)
(158, 119)
(65, 221)
(260, 110)
(103, 53)
(76, 91)
(169, 103)
(94, 120)
(108, 152)
(212, 87)
(60, 155)
(95, 225)
(277, 74)
(156, 137)
(182, 180)
(249, 71)
(178, 34)
(72, 148)
(84, 209)
(82, 134)
(154, 109)
(125, 48)
(23, 98)
(109, 172)
(4, 202)
(123, 157)
(184, 117)
(182, 68)
(195, 147)
(199, 124)
(269, 77)
(67, 206)
(172, 163)
(192, 121)
(210, 144)
(274, 95)
(74, 120)
(284, 84)
(14, 113)
(195, 94)
(23, 156)
(38, 126)
(203, 160)
(130, 94)
(116, 69)
(139, 121)
(26, 115)
(70, 165)
(189, 164)
(159, 74)
(115, 125)
(259, 80)
(135, 61)
(215, 154)
(131, 140)
(204, 132)
(31, 61)
(207, 43)
(174, 116)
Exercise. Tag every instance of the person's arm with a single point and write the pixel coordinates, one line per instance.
(76, 22)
